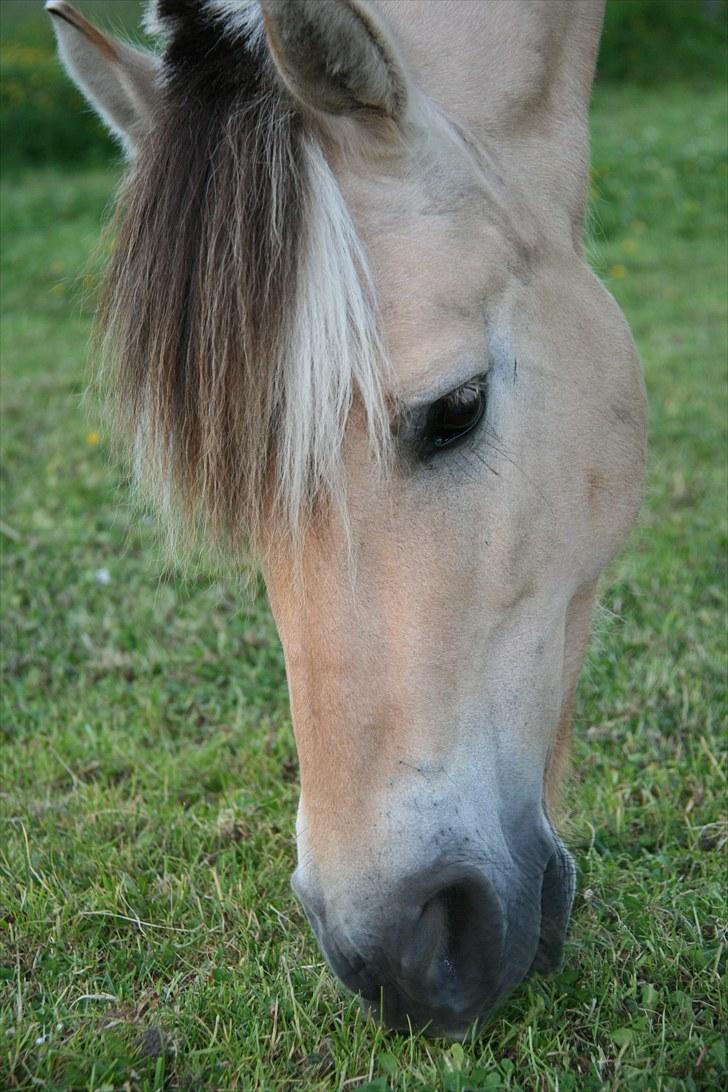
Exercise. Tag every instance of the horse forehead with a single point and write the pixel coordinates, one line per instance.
(443, 251)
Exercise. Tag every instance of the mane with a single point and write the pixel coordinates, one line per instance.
(237, 323)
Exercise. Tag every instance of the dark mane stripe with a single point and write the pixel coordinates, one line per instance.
(203, 277)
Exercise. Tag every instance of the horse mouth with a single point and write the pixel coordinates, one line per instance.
(461, 1010)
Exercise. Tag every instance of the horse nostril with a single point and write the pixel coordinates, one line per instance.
(452, 954)
(460, 907)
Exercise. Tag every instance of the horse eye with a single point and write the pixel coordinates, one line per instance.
(451, 418)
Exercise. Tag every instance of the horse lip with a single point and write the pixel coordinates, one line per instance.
(557, 898)
(400, 1011)
(457, 1029)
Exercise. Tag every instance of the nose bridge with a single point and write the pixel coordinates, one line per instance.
(394, 744)
(378, 721)
(390, 804)
(356, 668)
(401, 703)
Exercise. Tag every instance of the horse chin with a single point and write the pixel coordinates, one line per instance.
(466, 1025)
(407, 1023)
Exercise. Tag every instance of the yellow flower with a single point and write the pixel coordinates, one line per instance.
(93, 438)
(629, 246)
(618, 272)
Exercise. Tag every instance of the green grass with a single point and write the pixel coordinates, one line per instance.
(148, 938)
(650, 41)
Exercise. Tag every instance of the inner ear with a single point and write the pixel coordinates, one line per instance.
(120, 82)
(334, 57)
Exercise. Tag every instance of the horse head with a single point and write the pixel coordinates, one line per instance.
(351, 329)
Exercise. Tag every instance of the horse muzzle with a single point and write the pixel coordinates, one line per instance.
(443, 952)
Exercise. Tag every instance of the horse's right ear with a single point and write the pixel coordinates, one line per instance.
(120, 82)
(335, 57)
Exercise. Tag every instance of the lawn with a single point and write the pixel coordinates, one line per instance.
(148, 937)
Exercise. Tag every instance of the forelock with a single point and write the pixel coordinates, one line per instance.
(238, 321)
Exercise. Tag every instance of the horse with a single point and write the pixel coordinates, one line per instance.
(349, 332)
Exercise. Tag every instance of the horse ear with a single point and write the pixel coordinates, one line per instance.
(334, 57)
(120, 82)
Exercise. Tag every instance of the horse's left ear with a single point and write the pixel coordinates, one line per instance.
(335, 58)
(120, 82)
